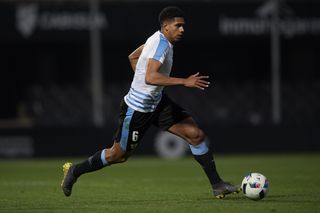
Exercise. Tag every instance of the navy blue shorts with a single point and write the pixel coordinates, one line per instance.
(133, 124)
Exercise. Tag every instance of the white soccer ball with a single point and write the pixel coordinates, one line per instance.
(255, 186)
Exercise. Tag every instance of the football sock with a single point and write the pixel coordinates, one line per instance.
(93, 163)
(204, 157)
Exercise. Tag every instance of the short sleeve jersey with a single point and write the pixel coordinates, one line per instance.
(144, 97)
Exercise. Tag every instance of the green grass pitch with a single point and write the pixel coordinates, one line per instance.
(150, 184)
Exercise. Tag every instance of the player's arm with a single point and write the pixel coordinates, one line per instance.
(134, 56)
(154, 77)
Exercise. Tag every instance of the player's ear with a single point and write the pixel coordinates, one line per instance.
(165, 26)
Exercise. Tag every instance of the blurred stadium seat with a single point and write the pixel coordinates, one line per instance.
(231, 103)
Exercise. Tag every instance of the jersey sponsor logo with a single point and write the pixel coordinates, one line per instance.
(133, 146)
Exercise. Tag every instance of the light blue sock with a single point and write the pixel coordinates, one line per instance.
(199, 149)
(103, 158)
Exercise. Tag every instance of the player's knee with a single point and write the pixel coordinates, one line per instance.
(116, 157)
(196, 136)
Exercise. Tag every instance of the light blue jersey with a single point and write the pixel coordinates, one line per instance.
(144, 97)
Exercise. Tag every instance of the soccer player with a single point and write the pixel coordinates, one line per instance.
(146, 104)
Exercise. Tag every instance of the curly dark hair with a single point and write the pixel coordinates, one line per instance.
(169, 13)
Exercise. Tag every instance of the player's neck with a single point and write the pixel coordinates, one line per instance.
(167, 36)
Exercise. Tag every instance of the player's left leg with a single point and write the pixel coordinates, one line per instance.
(189, 131)
(131, 128)
(100, 159)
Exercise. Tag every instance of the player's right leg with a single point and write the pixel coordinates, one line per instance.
(188, 130)
(223, 188)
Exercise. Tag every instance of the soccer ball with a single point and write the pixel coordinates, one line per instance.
(255, 186)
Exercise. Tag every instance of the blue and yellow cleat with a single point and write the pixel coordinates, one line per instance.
(68, 179)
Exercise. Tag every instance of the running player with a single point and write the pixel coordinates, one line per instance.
(146, 104)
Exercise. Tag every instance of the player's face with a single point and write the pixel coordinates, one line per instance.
(174, 29)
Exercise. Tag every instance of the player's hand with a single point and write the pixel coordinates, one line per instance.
(197, 81)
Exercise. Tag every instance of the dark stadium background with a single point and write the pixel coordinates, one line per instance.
(46, 106)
